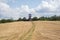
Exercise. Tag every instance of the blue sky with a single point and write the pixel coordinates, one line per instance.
(21, 8)
(18, 3)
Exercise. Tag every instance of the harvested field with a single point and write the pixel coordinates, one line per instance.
(35, 30)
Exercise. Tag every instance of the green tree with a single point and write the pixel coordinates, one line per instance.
(20, 19)
(34, 18)
(24, 19)
(3, 21)
(53, 18)
(10, 20)
(42, 18)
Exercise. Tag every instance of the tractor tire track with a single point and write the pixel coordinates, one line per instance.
(25, 36)
(12, 36)
(28, 35)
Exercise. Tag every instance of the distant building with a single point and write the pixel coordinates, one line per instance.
(29, 17)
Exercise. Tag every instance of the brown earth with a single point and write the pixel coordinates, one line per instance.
(35, 30)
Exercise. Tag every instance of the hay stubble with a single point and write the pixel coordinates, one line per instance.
(37, 30)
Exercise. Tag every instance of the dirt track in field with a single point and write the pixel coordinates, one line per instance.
(36, 30)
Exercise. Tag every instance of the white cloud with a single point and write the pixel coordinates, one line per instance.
(49, 7)
(25, 8)
(8, 12)
(4, 6)
(46, 7)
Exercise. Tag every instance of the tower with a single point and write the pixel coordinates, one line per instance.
(29, 17)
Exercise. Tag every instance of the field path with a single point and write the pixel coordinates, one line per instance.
(28, 35)
(24, 36)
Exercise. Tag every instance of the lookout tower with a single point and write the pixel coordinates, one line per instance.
(29, 17)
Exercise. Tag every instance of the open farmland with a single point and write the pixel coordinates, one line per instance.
(36, 30)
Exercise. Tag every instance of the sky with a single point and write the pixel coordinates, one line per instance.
(21, 8)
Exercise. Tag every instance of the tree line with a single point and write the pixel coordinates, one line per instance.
(52, 18)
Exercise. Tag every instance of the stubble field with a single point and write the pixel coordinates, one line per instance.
(30, 30)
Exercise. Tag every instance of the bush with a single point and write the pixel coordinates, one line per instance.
(34, 19)
(20, 19)
(6, 20)
(3, 21)
(24, 19)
